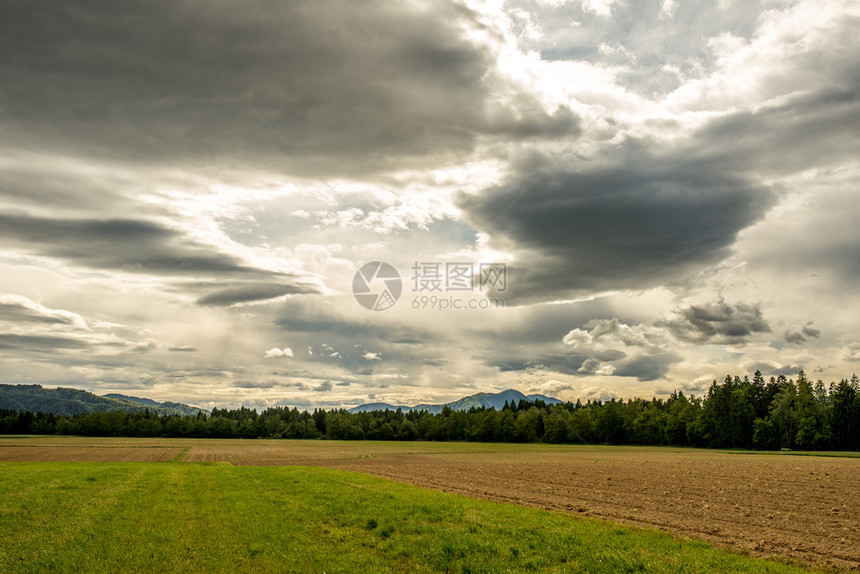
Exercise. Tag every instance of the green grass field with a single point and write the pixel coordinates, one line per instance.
(171, 517)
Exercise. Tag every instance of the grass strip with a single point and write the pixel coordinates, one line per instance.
(181, 455)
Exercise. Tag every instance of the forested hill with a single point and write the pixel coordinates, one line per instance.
(64, 401)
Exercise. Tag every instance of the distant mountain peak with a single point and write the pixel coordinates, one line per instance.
(485, 399)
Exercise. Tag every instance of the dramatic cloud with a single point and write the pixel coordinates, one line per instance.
(800, 337)
(187, 189)
(655, 209)
(144, 247)
(794, 338)
(17, 309)
(267, 83)
(250, 293)
(183, 349)
(32, 331)
(810, 331)
(126, 244)
(610, 347)
(851, 352)
(43, 343)
(634, 224)
(718, 322)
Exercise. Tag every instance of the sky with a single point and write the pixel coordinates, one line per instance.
(326, 203)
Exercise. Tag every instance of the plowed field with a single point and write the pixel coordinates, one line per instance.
(803, 508)
(50, 453)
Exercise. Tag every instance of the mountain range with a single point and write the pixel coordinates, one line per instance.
(66, 401)
(487, 400)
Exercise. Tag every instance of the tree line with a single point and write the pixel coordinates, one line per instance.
(737, 413)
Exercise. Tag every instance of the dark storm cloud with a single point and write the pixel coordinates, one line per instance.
(512, 365)
(358, 84)
(183, 349)
(633, 224)
(793, 337)
(251, 293)
(35, 181)
(815, 128)
(126, 244)
(647, 367)
(799, 337)
(718, 322)
(810, 331)
(40, 343)
(16, 312)
(139, 246)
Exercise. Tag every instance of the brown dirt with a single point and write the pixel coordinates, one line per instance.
(269, 452)
(801, 509)
(50, 453)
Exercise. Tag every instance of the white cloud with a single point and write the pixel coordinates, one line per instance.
(617, 50)
(553, 3)
(609, 347)
(668, 9)
(16, 308)
(606, 370)
(782, 57)
(277, 353)
(608, 334)
(578, 339)
(552, 388)
(851, 352)
(599, 7)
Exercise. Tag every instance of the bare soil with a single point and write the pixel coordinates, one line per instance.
(269, 452)
(48, 453)
(801, 509)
